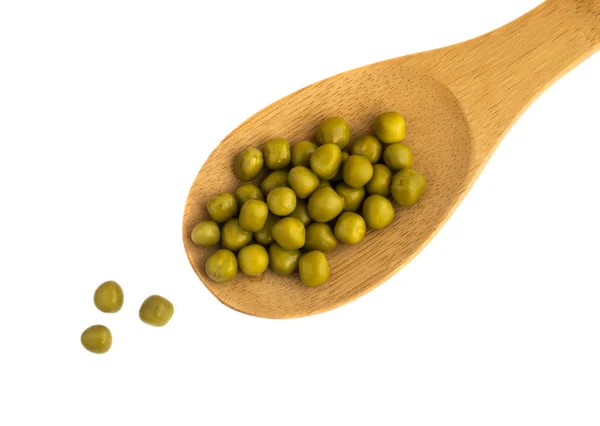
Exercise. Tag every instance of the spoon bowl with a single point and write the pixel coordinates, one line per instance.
(458, 103)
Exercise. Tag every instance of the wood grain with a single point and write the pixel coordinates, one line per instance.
(458, 102)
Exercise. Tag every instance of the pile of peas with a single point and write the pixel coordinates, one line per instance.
(316, 195)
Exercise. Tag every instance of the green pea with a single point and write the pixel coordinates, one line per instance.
(156, 311)
(248, 164)
(264, 236)
(390, 127)
(369, 147)
(350, 228)
(281, 201)
(97, 339)
(334, 130)
(303, 181)
(378, 211)
(276, 179)
(222, 207)
(283, 262)
(253, 215)
(301, 212)
(277, 153)
(358, 171)
(301, 153)
(248, 192)
(407, 187)
(253, 260)
(108, 297)
(326, 160)
(206, 233)
(398, 156)
(353, 197)
(319, 236)
(289, 233)
(221, 266)
(314, 269)
(233, 236)
(381, 180)
(325, 204)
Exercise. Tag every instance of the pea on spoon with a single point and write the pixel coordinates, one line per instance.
(458, 101)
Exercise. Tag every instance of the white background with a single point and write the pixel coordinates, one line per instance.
(107, 111)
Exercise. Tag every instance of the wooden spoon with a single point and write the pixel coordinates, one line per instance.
(458, 102)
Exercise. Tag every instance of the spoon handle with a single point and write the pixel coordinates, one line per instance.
(498, 75)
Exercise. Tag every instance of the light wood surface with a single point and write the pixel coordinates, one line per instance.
(458, 101)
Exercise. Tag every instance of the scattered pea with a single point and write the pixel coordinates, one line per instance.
(97, 339)
(156, 311)
(108, 297)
